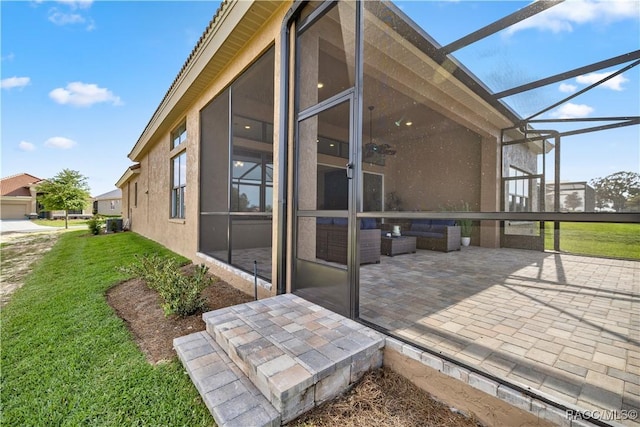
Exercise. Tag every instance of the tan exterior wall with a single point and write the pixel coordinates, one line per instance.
(151, 216)
(126, 205)
(490, 189)
(105, 207)
(436, 172)
(129, 202)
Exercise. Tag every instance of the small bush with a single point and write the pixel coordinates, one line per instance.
(95, 225)
(181, 294)
(148, 268)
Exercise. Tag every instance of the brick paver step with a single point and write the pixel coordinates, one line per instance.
(296, 353)
(231, 398)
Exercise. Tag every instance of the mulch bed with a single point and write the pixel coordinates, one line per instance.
(140, 307)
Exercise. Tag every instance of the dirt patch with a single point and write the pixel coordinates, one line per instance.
(154, 332)
(19, 252)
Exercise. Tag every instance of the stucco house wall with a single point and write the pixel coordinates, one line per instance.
(109, 203)
(151, 215)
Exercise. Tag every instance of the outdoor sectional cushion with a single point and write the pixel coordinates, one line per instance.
(449, 222)
(431, 226)
(365, 223)
(420, 226)
(342, 222)
(424, 234)
(368, 224)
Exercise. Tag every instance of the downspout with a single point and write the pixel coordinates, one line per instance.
(281, 265)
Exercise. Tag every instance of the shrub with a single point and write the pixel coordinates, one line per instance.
(181, 294)
(149, 268)
(95, 225)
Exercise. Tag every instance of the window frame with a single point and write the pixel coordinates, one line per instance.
(178, 190)
(519, 191)
(179, 135)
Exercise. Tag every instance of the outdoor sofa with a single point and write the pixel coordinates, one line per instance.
(433, 234)
(331, 240)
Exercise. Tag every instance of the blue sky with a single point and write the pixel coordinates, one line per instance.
(81, 79)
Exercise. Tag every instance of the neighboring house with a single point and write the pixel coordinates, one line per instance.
(574, 197)
(18, 196)
(73, 213)
(108, 203)
(19, 200)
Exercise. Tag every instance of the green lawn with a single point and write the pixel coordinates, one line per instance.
(67, 359)
(58, 222)
(598, 239)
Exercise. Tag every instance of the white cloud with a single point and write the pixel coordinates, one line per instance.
(572, 111)
(59, 142)
(26, 146)
(567, 88)
(83, 95)
(61, 18)
(72, 13)
(566, 15)
(11, 82)
(8, 57)
(614, 83)
(77, 4)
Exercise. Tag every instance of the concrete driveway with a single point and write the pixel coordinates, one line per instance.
(22, 226)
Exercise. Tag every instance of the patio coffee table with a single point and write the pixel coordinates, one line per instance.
(391, 246)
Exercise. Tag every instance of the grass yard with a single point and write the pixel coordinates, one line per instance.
(67, 359)
(598, 239)
(58, 222)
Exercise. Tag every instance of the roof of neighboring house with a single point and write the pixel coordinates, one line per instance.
(114, 194)
(18, 185)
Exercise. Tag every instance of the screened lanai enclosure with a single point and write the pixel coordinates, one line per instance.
(418, 123)
(236, 171)
(441, 172)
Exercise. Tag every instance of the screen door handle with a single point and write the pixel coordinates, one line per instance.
(349, 168)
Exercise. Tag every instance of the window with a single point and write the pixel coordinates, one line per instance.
(179, 135)
(135, 195)
(518, 198)
(112, 205)
(252, 182)
(178, 185)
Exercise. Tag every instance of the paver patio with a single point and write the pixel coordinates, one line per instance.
(563, 325)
